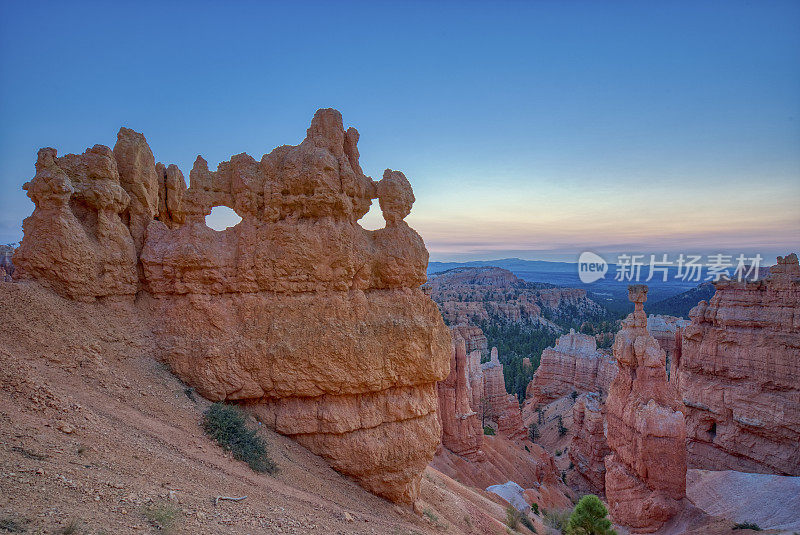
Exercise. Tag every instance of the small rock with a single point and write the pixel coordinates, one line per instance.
(64, 427)
(348, 516)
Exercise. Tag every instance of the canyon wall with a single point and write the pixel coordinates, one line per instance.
(646, 472)
(739, 375)
(462, 432)
(588, 447)
(574, 364)
(317, 326)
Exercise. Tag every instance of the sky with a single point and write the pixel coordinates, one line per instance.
(535, 130)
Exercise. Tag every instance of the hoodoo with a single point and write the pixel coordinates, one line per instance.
(646, 471)
(317, 325)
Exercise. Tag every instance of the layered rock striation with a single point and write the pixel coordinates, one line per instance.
(318, 326)
(473, 295)
(573, 365)
(462, 432)
(645, 479)
(500, 406)
(739, 375)
(588, 446)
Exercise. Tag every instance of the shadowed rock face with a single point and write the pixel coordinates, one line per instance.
(739, 375)
(461, 425)
(318, 326)
(646, 471)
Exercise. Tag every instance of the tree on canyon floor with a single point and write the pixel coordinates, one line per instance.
(589, 518)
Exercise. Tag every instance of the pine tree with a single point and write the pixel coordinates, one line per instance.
(589, 518)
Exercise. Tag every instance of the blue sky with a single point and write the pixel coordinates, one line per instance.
(531, 129)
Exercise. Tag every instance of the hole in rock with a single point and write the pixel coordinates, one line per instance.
(373, 220)
(222, 217)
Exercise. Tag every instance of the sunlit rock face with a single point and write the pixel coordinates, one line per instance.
(318, 326)
(739, 375)
(645, 477)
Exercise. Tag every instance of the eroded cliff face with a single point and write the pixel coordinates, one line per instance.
(646, 431)
(739, 375)
(574, 364)
(462, 432)
(318, 326)
(588, 446)
(500, 406)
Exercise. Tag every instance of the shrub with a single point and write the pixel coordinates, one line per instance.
(589, 518)
(163, 516)
(747, 525)
(487, 430)
(558, 453)
(227, 425)
(512, 517)
(574, 395)
(533, 432)
(535, 508)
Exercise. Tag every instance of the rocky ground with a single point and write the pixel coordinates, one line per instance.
(99, 437)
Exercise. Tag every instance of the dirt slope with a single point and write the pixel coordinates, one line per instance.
(96, 432)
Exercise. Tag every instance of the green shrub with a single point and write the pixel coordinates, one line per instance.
(487, 430)
(535, 508)
(227, 425)
(533, 432)
(163, 516)
(589, 518)
(747, 525)
(561, 429)
(512, 517)
(558, 453)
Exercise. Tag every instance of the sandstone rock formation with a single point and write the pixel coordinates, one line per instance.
(318, 326)
(461, 425)
(664, 328)
(473, 295)
(588, 447)
(574, 364)
(646, 432)
(473, 338)
(500, 406)
(739, 375)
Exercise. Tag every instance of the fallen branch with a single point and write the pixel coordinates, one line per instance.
(228, 498)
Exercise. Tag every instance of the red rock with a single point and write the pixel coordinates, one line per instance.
(588, 447)
(646, 430)
(474, 295)
(664, 328)
(473, 337)
(461, 425)
(317, 326)
(574, 364)
(501, 407)
(739, 375)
